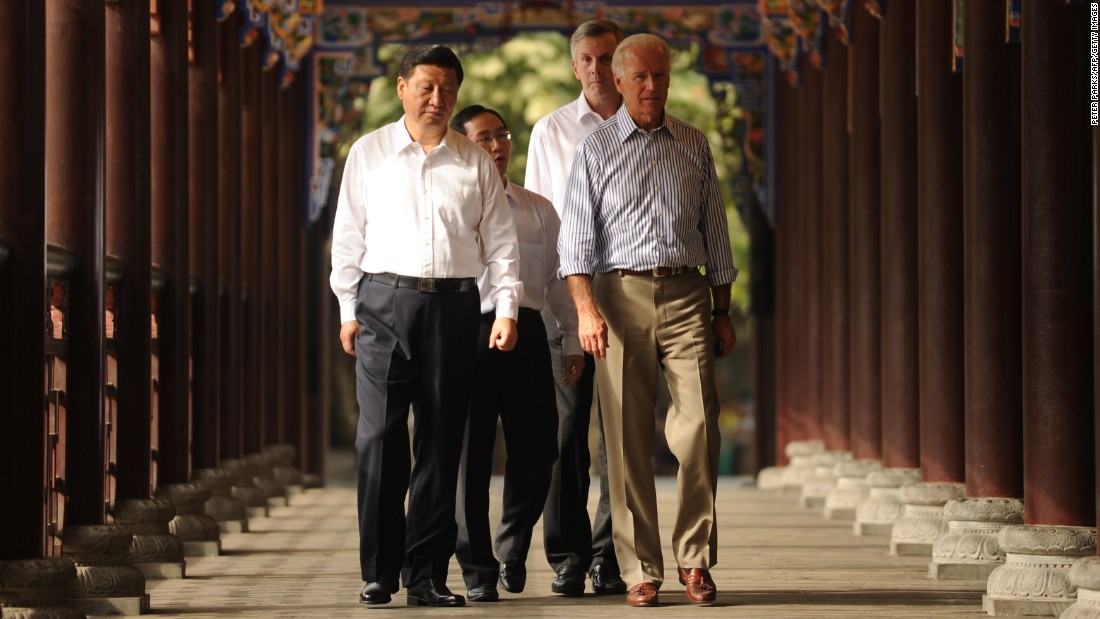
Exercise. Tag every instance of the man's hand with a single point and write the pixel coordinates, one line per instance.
(504, 334)
(591, 328)
(574, 366)
(725, 336)
(348, 331)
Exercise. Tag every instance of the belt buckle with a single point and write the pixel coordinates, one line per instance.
(426, 284)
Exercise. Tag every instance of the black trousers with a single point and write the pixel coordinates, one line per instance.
(518, 388)
(569, 536)
(414, 348)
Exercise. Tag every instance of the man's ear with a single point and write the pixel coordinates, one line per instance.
(619, 85)
(401, 86)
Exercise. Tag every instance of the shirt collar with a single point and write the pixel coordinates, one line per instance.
(583, 109)
(627, 127)
(402, 139)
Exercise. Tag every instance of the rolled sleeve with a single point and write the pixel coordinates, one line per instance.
(577, 242)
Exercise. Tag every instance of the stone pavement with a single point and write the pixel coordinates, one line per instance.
(776, 560)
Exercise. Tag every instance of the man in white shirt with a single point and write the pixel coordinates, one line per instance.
(516, 387)
(573, 543)
(421, 214)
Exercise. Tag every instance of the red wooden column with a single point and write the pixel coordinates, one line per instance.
(22, 277)
(75, 136)
(940, 231)
(900, 393)
(788, 377)
(864, 231)
(809, 247)
(991, 257)
(202, 200)
(1057, 310)
(269, 256)
(834, 266)
(128, 237)
(251, 191)
(170, 196)
(231, 442)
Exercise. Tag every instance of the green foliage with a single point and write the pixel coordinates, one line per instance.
(530, 75)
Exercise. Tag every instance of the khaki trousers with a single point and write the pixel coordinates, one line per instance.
(653, 322)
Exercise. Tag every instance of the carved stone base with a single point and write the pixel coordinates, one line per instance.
(227, 510)
(199, 532)
(922, 523)
(312, 480)
(770, 478)
(1035, 577)
(800, 468)
(154, 551)
(823, 480)
(36, 588)
(1085, 575)
(106, 583)
(253, 498)
(262, 469)
(877, 514)
(969, 549)
(282, 460)
(851, 488)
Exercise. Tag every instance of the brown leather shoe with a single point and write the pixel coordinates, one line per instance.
(642, 594)
(700, 588)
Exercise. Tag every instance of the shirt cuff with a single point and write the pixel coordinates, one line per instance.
(506, 308)
(573, 268)
(571, 346)
(347, 312)
(721, 278)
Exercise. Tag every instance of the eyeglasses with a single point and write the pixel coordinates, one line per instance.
(505, 136)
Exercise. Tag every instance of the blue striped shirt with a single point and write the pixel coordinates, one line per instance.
(638, 200)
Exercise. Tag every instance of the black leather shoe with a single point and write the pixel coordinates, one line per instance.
(606, 580)
(513, 578)
(570, 580)
(483, 594)
(424, 593)
(374, 593)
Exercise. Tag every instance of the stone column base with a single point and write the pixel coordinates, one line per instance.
(227, 510)
(312, 480)
(922, 523)
(1085, 575)
(282, 460)
(877, 514)
(801, 468)
(969, 549)
(106, 584)
(36, 588)
(199, 533)
(1035, 577)
(770, 478)
(154, 551)
(823, 480)
(851, 488)
(244, 488)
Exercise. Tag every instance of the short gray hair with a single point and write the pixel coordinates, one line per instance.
(594, 28)
(640, 41)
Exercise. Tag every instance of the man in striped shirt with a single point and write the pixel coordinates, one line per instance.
(643, 213)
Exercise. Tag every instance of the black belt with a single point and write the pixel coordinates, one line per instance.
(424, 284)
(657, 271)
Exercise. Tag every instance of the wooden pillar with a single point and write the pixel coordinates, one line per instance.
(231, 443)
(269, 256)
(787, 377)
(128, 238)
(940, 250)
(202, 200)
(834, 263)
(75, 221)
(864, 227)
(900, 392)
(809, 246)
(1057, 312)
(170, 238)
(991, 256)
(251, 191)
(22, 276)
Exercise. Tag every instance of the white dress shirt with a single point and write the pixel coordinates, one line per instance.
(537, 227)
(553, 145)
(440, 214)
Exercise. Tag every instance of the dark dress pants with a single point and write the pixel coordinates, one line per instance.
(414, 348)
(517, 388)
(568, 534)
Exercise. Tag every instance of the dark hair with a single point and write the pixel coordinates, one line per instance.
(594, 28)
(458, 123)
(434, 55)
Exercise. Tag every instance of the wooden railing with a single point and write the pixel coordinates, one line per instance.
(59, 268)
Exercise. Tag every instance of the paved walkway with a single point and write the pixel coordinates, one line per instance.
(776, 560)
